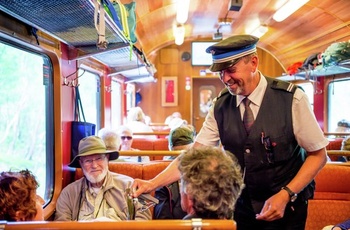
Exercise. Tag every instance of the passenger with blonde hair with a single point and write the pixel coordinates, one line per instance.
(136, 122)
(18, 198)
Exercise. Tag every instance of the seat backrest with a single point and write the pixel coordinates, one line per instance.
(160, 144)
(142, 144)
(132, 169)
(153, 168)
(331, 203)
(333, 183)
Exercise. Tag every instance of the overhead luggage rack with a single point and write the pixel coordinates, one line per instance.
(72, 22)
(319, 71)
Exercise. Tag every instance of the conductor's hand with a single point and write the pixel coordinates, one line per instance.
(274, 207)
(141, 186)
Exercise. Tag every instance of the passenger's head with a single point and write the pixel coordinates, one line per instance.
(93, 158)
(176, 122)
(181, 138)
(110, 137)
(172, 116)
(136, 114)
(211, 182)
(18, 198)
(125, 134)
(237, 61)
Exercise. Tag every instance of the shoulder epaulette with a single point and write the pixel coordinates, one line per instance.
(283, 85)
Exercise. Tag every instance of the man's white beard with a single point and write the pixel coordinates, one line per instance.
(96, 179)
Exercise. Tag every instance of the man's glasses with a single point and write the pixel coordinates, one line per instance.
(88, 162)
(126, 138)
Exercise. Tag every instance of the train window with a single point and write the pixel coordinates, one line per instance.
(89, 88)
(309, 90)
(130, 96)
(26, 108)
(116, 104)
(338, 104)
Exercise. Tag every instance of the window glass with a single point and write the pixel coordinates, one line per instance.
(89, 89)
(309, 90)
(116, 104)
(26, 111)
(338, 104)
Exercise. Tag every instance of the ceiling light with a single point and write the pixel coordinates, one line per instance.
(287, 9)
(182, 11)
(260, 31)
(179, 34)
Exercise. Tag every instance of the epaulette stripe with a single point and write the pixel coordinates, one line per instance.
(290, 87)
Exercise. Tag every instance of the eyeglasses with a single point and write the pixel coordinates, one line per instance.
(126, 137)
(88, 162)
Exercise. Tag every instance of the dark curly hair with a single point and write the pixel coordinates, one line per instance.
(212, 178)
(18, 194)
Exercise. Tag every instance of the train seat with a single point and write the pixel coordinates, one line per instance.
(149, 144)
(331, 203)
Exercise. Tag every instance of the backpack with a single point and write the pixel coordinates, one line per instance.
(336, 52)
(169, 206)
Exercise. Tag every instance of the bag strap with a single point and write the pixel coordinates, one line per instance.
(99, 20)
(124, 19)
(78, 108)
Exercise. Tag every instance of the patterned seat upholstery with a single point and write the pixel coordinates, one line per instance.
(331, 203)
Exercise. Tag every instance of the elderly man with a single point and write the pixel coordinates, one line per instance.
(100, 194)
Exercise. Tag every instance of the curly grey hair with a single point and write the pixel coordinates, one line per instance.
(212, 178)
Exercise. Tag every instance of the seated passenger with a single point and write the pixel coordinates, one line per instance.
(172, 116)
(211, 182)
(169, 206)
(136, 122)
(18, 198)
(126, 136)
(180, 138)
(110, 137)
(100, 194)
(341, 226)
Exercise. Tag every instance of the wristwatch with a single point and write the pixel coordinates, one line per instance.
(293, 196)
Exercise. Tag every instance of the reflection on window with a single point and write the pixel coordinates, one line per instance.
(338, 104)
(206, 96)
(26, 106)
(89, 89)
(130, 96)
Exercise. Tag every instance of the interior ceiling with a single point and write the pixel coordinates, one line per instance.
(309, 30)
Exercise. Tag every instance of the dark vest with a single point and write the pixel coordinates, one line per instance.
(274, 121)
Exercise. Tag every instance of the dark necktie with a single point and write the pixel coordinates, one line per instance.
(248, 118)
